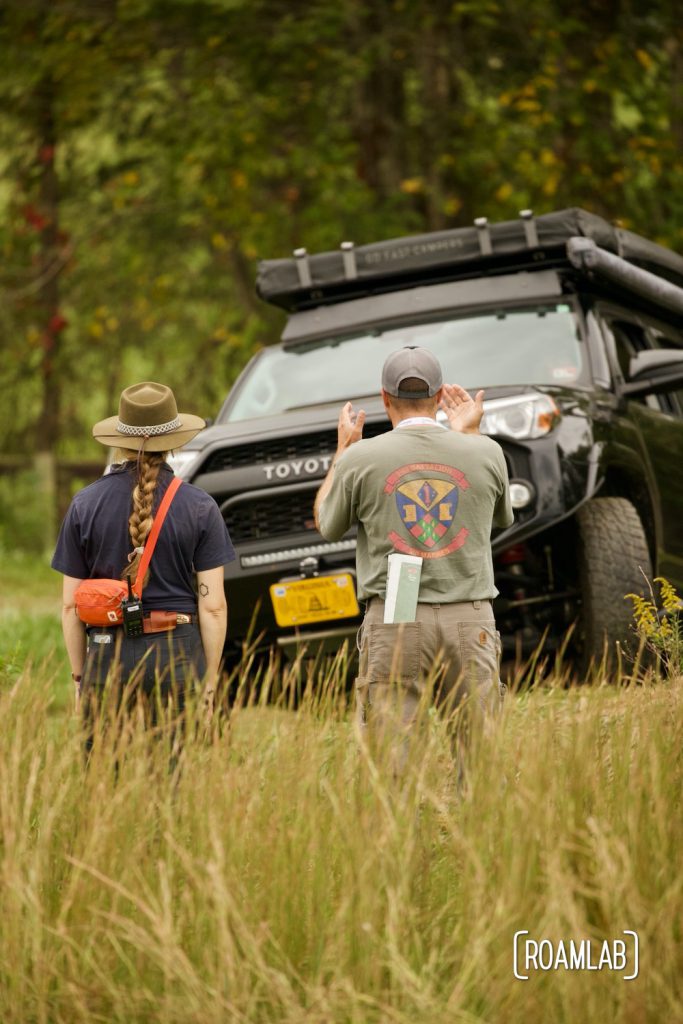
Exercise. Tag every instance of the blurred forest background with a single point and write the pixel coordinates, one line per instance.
(152, 150)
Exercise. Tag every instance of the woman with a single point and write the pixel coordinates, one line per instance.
(103, 535)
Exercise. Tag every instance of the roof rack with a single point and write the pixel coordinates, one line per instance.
(584, 254)
(306, 281)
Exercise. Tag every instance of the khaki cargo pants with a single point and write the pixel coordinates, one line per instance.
(448, 658)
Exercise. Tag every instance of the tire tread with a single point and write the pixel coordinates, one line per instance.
(614, 560)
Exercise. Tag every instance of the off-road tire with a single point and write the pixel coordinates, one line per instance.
(613, 560)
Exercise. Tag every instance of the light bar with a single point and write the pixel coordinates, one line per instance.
(290, 554)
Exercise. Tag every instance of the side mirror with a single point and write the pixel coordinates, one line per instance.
(651, 373)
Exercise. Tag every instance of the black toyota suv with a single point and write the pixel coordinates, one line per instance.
(575, 331)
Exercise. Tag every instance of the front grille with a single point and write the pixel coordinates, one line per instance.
(281, 449)
(273, 515)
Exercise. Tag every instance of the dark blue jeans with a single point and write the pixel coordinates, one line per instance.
(154, 671)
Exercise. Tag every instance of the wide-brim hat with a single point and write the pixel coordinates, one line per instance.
(148, 418)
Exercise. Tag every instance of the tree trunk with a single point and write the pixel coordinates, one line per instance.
(47, 302)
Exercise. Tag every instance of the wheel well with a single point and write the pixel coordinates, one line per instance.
(562, 537)
(620, 484)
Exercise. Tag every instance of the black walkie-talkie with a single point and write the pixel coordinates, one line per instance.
(131, 609)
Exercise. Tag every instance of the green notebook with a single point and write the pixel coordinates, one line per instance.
(403, 588)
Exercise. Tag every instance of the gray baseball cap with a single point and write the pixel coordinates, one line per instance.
(412, 362)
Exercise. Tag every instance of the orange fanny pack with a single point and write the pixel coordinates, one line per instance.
(98, 602)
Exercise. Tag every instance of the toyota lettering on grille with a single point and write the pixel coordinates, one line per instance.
(297, 467)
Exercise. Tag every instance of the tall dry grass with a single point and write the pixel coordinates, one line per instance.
(275, 873)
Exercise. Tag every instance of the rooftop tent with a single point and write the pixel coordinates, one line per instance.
(305, 281)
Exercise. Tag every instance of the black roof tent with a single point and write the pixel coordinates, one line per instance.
(305, 282)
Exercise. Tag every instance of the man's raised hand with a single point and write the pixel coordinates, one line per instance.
(349, 427)
(464, 412)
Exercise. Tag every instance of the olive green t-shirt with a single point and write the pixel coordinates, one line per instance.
(425, 491)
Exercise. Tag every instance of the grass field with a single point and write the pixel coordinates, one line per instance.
(277, 874)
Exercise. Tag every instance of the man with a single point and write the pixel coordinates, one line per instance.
(426, 490)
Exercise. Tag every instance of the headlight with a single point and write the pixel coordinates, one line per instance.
(520, 417)
(522, 493)
(180, 462)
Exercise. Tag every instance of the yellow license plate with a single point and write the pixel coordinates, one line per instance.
(298, 602)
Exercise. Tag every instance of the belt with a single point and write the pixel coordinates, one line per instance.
(482, 602)
(158, 621)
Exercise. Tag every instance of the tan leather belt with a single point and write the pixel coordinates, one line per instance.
(161, 622)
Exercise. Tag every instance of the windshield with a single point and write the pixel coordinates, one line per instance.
(521, 346)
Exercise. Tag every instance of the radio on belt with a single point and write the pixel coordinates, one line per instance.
(131, 609)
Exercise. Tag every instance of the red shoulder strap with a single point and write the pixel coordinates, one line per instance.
(150, 544)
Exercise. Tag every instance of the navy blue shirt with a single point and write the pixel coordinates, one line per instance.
(94, 541)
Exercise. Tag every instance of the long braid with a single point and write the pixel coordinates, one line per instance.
(140, 521)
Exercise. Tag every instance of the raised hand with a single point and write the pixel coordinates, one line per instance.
(464, 412)
(349, 427)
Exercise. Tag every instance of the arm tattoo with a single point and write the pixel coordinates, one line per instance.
(203, 589)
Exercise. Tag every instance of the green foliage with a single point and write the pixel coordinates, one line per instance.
(30, 627)
(151, 152)
(22, 513)
(33, 640)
